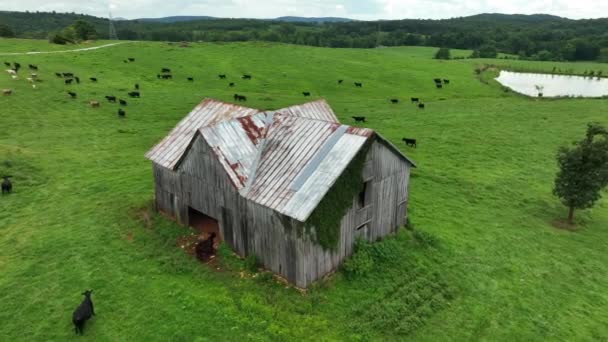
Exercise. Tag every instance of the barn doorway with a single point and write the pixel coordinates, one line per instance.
(204, 224)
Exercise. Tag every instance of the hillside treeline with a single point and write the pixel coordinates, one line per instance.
(539, 37)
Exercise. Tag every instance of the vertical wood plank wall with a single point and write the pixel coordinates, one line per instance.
(201, 183)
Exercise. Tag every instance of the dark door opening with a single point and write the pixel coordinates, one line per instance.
(205, 225)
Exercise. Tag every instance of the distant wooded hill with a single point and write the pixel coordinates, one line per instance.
(542, 37)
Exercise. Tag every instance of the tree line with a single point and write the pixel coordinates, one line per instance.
(536, 37)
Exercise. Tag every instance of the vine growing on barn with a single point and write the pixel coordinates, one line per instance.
(326, 217)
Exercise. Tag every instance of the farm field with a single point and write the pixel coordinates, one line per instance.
(34, 45)
(484, 261)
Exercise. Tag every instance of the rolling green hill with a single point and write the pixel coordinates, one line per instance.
(484, 261)
(535, 37)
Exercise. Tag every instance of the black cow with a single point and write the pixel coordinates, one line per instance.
(221, 76)
(340, 81)
(121, 113)
(415, 99)
(204, 249)
(166, 76)
(246, 77)
(439, 86)
(306, 93)
(409, 142)
(83, 312)
(33, 67)
(111, 98)
(395, 101)
(69, 81)
(134, 94)
(231, 84)
(165, 70)
(58, 74)
(93, 79)
(421, 105)
(77, 79)
(7, 186)
(137, 86)
(437, 80)
(238, 97)
(68, 74)
(72, 94)
(122, 102)
(190, 79)
(359, 118)
(17, 66)
(7, 64)
(131, 59)
(445, 81)
(358, 84)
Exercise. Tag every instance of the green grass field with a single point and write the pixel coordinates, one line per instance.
(484, 261)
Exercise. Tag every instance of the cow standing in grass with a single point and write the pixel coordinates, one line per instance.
(7, 186)
(83, 312)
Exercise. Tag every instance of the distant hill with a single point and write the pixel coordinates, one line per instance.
(537, 37)
(313, 19)
(182, 18)
(526, 18)
(176, 19)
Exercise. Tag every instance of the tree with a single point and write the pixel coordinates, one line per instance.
(443, 53)
(83, 30)
(583, 170)
(5, 31)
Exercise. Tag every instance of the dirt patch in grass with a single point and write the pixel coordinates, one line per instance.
(564, 225)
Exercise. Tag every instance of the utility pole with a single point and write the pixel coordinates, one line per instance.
(112, 34)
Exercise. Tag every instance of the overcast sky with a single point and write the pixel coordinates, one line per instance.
(357, 9)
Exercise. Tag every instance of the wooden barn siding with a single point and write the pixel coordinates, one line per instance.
(386, 202)
(249, 228)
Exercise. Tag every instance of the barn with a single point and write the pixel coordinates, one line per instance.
(292, 186)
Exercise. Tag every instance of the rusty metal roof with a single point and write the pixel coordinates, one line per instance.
(319, 110)
(286, 160)
(300, 161)
(209, 112)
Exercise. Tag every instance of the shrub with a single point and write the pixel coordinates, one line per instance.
(425, 239)
(443, 53)
(252, 263)
(361, 262)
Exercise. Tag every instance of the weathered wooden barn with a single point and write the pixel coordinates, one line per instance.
(262, 174)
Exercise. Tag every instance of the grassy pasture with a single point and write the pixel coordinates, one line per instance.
(33, 45)
(494, 269)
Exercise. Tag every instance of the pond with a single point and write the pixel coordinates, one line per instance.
(553, 85)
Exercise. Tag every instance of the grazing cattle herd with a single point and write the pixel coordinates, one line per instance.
(165, 73)
(204, 248)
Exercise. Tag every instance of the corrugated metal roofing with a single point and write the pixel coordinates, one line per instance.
(318, 110)
(209, 112)
(236, 144)
(286, 160)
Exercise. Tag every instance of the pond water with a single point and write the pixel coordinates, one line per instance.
(554, 85)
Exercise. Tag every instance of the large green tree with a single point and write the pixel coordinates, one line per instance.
(83, 30)
(583, 170)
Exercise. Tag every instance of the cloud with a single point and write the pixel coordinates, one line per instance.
(357, 9)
